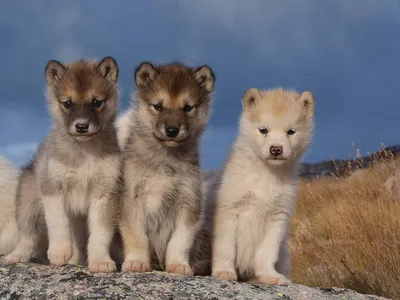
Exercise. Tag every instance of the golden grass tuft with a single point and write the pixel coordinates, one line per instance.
(346, 232)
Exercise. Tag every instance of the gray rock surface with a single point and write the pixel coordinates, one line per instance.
(37, 281)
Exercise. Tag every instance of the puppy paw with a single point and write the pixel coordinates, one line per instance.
(274, 279)
(135, 266)
(59, 256)
(106, 265)
(16, 257)
(179, 269)
(227, 275)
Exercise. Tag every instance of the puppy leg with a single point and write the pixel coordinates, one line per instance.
(8, 237)
(30, 223)
(177, 257)
(59, 231)
(268, 252)
(223, 249)
(101, 231)
(134, 237)
(27, 242)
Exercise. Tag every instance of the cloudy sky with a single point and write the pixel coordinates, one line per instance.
(346, 52)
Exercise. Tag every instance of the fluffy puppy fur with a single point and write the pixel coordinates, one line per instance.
(256, 194)
(161, 224)
(72, 181)
(8, 224)
(123, 125)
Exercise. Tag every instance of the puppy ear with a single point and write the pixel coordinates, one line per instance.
(205, 77)
(250, 98)
(308, 103)
(144, 74)
(54, 72)
(108, 68)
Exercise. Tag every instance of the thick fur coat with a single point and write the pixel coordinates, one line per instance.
(66, 196)
(255, 195)
(162, 216)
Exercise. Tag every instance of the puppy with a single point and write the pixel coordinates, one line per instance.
(71, 183)
(256, 193)
(162, 215)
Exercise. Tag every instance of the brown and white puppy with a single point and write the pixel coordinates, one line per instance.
(256, 192)
(71, 182)
(162, 215)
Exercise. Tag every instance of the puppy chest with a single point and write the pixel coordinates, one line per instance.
(158, 194)
(79, 178)
(272, 197)
(76, 182)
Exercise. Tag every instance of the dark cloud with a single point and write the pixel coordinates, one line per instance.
(346, 52)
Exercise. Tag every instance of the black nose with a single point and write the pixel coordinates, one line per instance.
(82, 127)
(276, 150)
(172, 131)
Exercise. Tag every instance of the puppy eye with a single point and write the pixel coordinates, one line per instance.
(67, 104)
(263, 130)
(158, 107)
(96, 103)
(291, 132)
(187, 108)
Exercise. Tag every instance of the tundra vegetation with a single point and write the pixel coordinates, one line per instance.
(346, 229)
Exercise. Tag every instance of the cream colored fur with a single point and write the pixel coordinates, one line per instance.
(8, 224)
(256, 196)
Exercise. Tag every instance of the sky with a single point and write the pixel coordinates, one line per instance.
(346, 52)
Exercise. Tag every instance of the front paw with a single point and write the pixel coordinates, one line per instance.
(59, 255)
(133, 265)
(106, 265)
(15, 258)
(179, 269)
(226, 275)
(274, 279)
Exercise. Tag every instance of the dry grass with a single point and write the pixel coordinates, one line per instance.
(346, 232)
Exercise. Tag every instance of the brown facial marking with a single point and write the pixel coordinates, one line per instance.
(176, 95)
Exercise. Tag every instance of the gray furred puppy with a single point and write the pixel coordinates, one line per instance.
(69, 187)
(162, 217)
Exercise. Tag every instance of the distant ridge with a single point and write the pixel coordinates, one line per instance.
(340, 166)
(337, 167)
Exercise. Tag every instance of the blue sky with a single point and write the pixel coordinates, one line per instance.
(346, 51)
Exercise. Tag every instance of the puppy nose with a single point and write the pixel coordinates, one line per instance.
(172, 131)
(276, 150)
(82, 127)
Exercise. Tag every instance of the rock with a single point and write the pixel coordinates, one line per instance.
(38, 281)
